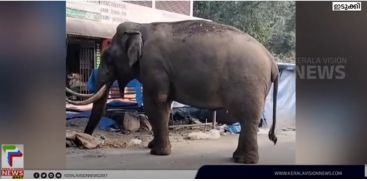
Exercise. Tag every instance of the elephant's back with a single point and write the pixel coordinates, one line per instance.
(209, 48)
(228, 57)
(199, 27)
(225, 47)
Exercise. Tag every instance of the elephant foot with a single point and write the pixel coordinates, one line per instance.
(151, 144)
(245, 158)
(160, 149)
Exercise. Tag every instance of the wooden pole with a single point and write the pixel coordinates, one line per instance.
(214, 119)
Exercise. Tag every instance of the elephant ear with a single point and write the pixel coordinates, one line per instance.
(134, 47)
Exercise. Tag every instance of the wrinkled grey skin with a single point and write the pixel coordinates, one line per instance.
(199, 63)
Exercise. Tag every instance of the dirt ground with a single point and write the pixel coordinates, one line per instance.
(117, 152)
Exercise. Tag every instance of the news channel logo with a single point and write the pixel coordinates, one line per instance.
(347, 6)
(12, 161)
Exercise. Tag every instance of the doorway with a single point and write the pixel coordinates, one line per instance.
(80, 62)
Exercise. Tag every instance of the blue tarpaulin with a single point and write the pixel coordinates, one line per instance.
(233, 128)
(105, 123)
(134, 83)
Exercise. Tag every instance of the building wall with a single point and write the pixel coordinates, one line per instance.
(181, 7)
(141, 3)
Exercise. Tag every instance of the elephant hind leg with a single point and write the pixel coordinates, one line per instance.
(249, 115)
(247, 149)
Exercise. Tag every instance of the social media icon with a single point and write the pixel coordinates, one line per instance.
(58, 175)
(43, 175)
(36, 175)
(51, 175)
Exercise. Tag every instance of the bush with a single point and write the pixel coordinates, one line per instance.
(271, 23)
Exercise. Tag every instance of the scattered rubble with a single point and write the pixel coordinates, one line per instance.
(199, 135)
(139, 133)
(133, 122)
(114, 143)
(130, 123)
(83, 140)
(144, 123)
(135, 141)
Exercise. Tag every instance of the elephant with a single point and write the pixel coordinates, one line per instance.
(196, 62)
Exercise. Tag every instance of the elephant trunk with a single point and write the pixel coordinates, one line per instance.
(91, 99)
(97, 112)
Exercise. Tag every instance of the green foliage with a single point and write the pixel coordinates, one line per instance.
(270, 22)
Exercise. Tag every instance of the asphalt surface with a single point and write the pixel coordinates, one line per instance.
(186, 155)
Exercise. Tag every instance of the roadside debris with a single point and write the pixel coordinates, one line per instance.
(199, 135)
(133, 122)
(135, 141)
(82, 140)
(234, 128)
(130, 123)
(144, 123)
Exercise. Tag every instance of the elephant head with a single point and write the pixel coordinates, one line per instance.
(118, 62)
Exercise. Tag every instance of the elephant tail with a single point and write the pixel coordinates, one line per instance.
(275, 80)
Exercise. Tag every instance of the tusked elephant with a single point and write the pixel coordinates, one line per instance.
(195, 62)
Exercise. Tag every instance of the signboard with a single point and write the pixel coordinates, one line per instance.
(101, 11)
(116, 12)
(100, 18)
(82, 10)
(113, 11)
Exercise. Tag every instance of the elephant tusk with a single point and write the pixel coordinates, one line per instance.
(77, 94)
(92, 99)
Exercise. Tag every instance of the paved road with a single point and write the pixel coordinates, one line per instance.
(187, 155)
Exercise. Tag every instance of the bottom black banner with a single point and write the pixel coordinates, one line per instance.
(281, 171)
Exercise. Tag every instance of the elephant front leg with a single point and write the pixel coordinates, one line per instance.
(158, 113)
